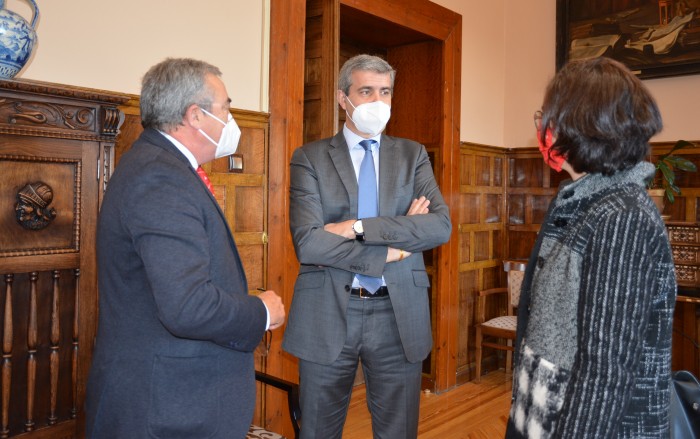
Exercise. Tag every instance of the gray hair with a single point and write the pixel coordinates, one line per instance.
(170, 87)
(363, 62)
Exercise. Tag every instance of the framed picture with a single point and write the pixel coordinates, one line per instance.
(654, 38)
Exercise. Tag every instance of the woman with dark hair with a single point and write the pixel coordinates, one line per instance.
(593, 352)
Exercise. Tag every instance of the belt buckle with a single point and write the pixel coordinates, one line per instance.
(365, 296)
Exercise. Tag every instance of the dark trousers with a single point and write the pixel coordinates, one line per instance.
(392, 383)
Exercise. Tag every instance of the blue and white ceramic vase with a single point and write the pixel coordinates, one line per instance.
(17, 39)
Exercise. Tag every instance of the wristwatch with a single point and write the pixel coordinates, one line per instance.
(359, 230)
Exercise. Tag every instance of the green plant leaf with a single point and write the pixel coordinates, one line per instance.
(681, 163)
(665, 166)
(669, 195)
(681, 144)
(667, 172)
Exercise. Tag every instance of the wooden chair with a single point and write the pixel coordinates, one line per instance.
(292, 389)
(502, 327)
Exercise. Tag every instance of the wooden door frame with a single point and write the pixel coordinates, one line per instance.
(287, 25)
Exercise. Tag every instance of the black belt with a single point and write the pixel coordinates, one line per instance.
(365, 294)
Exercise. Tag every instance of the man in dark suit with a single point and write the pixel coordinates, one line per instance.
(363, 206)
(177, 329)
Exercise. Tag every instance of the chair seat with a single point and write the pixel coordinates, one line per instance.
(505, 322)
(256, 432)
(504, 327)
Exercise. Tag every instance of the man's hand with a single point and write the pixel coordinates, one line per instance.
(343, 229)
(395, 255)
(419, 206)
(275, 307)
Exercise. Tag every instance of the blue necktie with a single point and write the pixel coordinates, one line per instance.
(367, 205)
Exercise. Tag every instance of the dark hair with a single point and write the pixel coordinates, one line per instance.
(363, 62)
(170, 87)
(601, 115)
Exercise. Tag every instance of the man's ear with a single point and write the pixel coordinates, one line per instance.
(193, 116)
(340, 96)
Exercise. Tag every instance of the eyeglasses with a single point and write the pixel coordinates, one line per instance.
(538, 120)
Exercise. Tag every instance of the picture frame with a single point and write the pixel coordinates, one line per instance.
(653, 38)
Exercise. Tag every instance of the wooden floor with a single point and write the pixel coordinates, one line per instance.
(474, 411)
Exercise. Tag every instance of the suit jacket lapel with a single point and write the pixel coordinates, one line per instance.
(340, 156)
(389, 158)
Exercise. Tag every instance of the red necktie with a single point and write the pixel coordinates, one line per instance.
(205, 179)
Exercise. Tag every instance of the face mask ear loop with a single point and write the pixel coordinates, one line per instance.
(347, 98)
(211, 115)
(346, 110)
(207, 136)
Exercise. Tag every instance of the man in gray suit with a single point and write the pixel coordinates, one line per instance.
(363, 206)
(177, 329)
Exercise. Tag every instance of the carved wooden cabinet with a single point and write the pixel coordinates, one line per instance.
(56, 147)
(685, 243)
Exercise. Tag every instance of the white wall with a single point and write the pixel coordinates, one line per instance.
(109, 45)
(530, 51)
(483, 68)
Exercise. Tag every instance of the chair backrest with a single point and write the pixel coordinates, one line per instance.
(516, 272)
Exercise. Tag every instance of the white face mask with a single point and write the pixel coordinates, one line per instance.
(370, 118)
(230, 135)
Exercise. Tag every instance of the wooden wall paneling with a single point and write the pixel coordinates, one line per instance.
(531, 185)
(686, 328)
(321, 69)
(481, 216)
(243, 195)
(417, 15)
(59, 139)
(422, 126)
(417, 102)
(287, 42)
(467, 288)
(131, 129)
(682, 226)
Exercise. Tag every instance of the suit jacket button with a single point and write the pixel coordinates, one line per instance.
(347, 288)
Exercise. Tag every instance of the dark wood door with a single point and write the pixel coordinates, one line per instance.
(292, 89)
(55, 148)
(418, 41)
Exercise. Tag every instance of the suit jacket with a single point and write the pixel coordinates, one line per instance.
(173, 355)
(323, 190)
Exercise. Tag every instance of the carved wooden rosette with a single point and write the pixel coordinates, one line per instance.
(56, 154)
